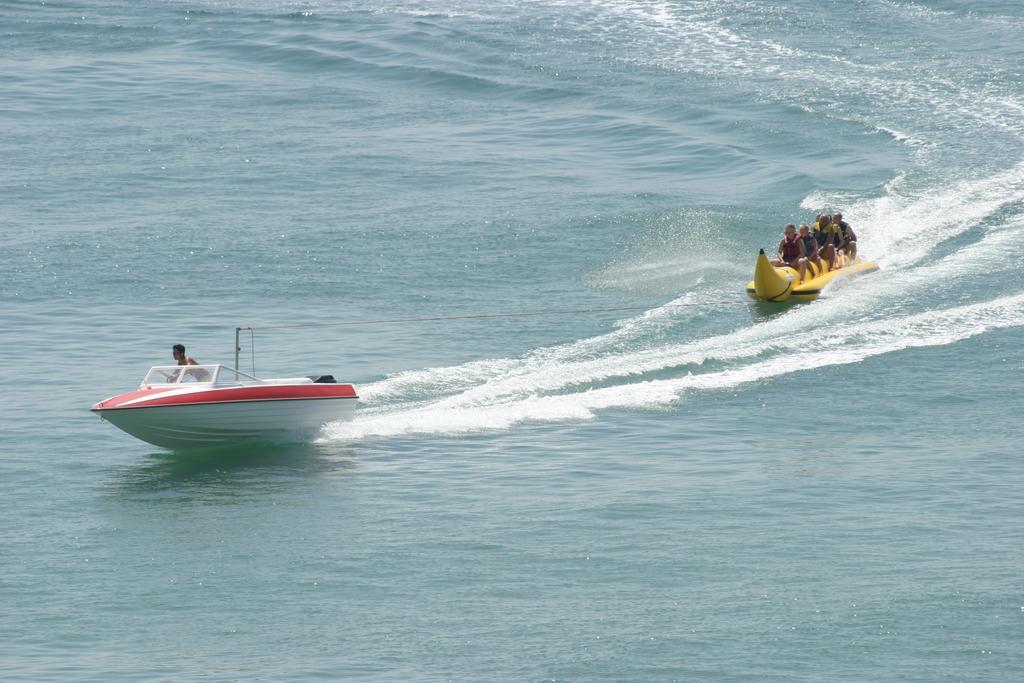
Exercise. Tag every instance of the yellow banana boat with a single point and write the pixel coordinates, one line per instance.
(782, 284)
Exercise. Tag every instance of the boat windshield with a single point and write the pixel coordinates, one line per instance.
(180, 374)
(231, 376)
(193, 374)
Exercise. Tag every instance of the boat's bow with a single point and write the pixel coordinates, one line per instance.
(769, 283)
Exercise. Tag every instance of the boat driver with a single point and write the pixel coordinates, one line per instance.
(181, 358)
(178, 351)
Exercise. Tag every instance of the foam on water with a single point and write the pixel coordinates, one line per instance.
(901, 227)
(696, 37)
(505, 406)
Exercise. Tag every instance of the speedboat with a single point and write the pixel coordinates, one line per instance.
(775, 284)
(185, 406)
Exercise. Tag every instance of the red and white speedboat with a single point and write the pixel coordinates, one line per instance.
(184, 406)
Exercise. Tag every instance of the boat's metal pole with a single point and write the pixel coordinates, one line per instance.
(238, 331)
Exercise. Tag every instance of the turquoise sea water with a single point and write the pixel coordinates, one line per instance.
(701, 489)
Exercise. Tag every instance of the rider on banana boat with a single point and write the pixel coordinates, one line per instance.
(847, 237)
(790, 249)
(821, 221)
(825, 234)
(809, 248)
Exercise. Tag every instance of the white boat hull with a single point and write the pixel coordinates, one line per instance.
(217, 424)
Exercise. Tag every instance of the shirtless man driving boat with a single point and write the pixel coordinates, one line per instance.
(178, 351)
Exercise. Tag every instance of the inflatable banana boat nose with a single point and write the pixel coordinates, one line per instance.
(783, 284)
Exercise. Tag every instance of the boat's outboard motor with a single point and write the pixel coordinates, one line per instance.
(322, 379)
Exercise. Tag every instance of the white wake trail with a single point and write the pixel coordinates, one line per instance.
(852, 344)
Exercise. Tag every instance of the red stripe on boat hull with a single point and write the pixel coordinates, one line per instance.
(167, 396)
